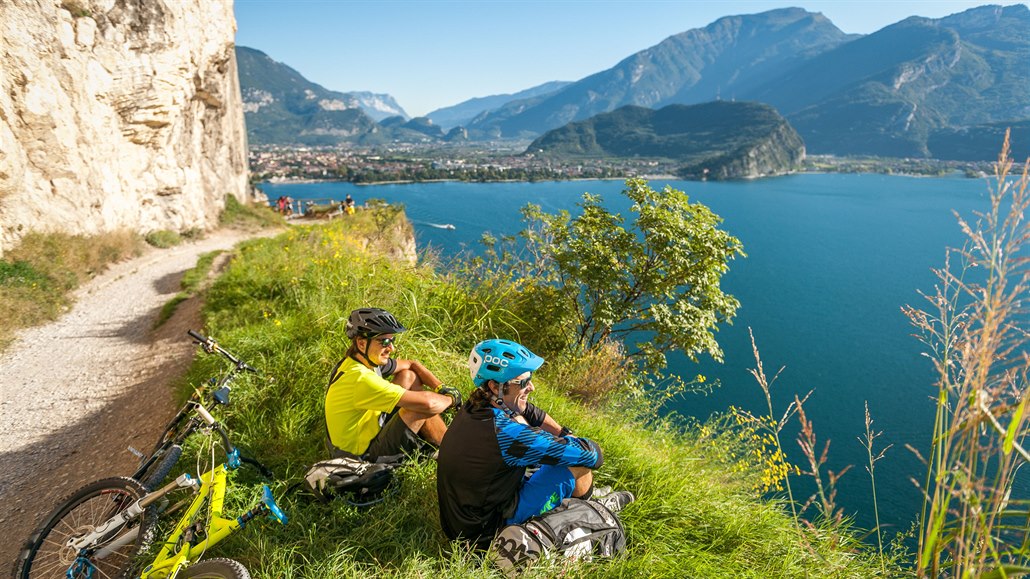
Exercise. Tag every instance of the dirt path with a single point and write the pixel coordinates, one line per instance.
(72, 391)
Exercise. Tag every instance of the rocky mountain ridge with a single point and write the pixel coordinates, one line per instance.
(718, 140)
(282, 106)
(118, 114)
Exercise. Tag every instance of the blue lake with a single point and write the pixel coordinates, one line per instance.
(831, 261)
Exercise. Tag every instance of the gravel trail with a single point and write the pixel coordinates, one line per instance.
(77, 392)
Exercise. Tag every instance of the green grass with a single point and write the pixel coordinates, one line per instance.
(38, 277)
(243, 216)
(282, 306)
(191, 283)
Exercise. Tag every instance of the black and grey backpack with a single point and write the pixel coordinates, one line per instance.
(576, 529)
(358, 482)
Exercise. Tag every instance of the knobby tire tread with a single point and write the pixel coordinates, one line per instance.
(152, 480)
(217, 568)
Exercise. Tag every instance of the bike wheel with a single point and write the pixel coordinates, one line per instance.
(46, 553)
(217, 568)
(153, 477)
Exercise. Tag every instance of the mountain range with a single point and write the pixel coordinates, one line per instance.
(918, 88)
(283, 107)
(885, 93)
(465, 112)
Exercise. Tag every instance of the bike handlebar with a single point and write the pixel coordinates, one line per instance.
(210, 345)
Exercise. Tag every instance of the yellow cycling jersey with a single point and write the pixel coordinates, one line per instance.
(356, 398)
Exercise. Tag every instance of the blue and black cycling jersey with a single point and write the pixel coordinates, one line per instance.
(482, 464)
(524, 446)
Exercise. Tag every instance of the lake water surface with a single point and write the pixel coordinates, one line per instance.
(831, 260)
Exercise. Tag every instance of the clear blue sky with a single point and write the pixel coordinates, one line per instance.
(429, 54)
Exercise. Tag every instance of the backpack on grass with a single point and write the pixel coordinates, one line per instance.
(575, 529)
(359, 482)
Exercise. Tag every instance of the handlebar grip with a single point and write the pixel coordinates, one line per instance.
(196, 336)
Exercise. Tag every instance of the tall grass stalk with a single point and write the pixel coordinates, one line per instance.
(868, 443)
(826, 493)
(977, 333)
(765, 384)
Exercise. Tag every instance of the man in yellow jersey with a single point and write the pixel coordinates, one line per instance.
(376, 405)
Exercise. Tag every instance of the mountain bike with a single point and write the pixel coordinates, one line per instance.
(102, 528)
(153, 468)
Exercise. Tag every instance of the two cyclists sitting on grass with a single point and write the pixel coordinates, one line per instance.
(378, 406)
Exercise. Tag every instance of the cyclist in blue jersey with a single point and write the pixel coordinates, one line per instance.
(494, 437)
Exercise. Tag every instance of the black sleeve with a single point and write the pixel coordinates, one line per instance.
(533, 415)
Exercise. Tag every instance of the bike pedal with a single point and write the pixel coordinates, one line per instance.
(137, 453)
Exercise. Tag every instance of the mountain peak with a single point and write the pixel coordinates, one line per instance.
(281, 106)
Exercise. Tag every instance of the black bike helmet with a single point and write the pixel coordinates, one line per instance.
(372, 322)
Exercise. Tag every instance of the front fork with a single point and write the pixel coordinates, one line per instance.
(123, 517)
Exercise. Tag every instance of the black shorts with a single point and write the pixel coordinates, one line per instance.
(394, 438)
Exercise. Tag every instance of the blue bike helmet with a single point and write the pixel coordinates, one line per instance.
(500, 360)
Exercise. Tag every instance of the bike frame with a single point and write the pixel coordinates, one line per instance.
(179, 549)
(212, 491)
(219, 394)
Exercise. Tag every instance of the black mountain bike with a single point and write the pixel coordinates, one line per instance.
(154, 468)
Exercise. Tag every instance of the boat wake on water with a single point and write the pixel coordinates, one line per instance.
(439, 225)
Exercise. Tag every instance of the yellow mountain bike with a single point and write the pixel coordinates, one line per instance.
(102, 529)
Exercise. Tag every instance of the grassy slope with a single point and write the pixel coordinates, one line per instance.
(282, 306)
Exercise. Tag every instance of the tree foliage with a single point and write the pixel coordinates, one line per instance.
(656, 280)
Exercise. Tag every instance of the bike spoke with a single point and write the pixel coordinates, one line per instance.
(53, 569)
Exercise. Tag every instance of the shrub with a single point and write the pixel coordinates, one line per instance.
(163, 238)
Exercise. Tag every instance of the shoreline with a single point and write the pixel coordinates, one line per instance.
(953, 174)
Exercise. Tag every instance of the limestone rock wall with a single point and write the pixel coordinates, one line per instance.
(118, 114)
(780, 152)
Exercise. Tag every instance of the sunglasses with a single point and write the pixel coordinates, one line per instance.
(386, 342)
(520, 384)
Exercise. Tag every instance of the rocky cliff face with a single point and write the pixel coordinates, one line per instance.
(779, 152)
(117, 114)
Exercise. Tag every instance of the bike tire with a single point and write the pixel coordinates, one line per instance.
(217, 568)
(153, 478)
(44, 553)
